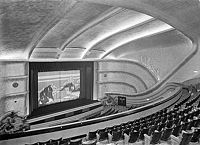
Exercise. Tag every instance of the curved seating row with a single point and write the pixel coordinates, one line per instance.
(183, 120)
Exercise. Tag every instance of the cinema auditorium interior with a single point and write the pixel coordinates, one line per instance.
(99, 72)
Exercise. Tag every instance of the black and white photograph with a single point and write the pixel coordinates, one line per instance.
(99, 72)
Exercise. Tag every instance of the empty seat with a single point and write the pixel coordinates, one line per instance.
(186, 137)
(177, 130)
(186, 125)
(156, 137)
(116, 135)
(90, 139)
(133, 136)
(166, 134)
(92, 135)
(196, 135)
(102, 135)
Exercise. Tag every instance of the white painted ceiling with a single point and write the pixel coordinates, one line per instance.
(93, 29)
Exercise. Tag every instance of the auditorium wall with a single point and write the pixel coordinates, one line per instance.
(14, 87)
(161, 54)
(162, 60)
(159, 57)
(123, 76)
(191, 69)
(2, 88)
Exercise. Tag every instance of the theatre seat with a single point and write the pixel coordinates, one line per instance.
(177, 130)
(90, 139)
(166, 134)
(154, 139)
(196, 136)
(116, 135)
(92, 135)
(183, 140)
(102, 137)
(186, 125)
(133, 136)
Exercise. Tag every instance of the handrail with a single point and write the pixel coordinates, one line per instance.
(145, 96)
(91, 121)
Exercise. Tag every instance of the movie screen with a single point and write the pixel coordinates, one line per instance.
(58, 86)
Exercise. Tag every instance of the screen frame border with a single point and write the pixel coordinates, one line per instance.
(86, 84)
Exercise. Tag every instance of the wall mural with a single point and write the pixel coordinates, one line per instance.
(146, 61)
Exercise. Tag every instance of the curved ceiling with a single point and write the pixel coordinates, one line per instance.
(70, 29)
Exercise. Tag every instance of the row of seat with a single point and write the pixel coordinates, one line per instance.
(163, 125)
(109, 110)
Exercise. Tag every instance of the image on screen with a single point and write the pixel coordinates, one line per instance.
(58, 86)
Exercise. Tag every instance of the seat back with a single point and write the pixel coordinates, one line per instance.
(103, 135)
(133, 137)
(156, 137)
(177, 130)
(116, 135)
(92, 135)
(186, 138)
(166, 134)
(186, 125)
(196, 135)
